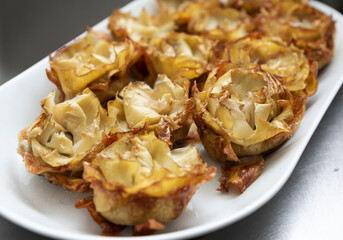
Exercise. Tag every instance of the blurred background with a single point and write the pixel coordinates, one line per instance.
(30, 30)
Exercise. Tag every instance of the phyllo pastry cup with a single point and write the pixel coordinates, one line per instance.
(184, 11)
(140, 29)
(63, 136)
(253, 7)
(94, 61)
(244, 112)
(287, 62)
(180, 54)
(223, 24)
(138, 178)
(166, 108)
(305, 26)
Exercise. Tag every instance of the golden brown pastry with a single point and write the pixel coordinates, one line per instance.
(287, 62)
(238, 177)
(165, 108)
(63, 136)
(183, 11)
(222, 24)
(244, 111)
(180, 54)
(138, 178)
(253, 7)
(142, 29)
(94, 61)
(308, 28)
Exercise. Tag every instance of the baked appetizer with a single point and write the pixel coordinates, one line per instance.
(138, 178)
(165, 108)
(63, 136)
(288, 63)
(253, 7)
(305, 26)
(184, 11)
(180, 54)
(223, 24)
(173, 5)
(142, 29)
(94, 61)
(244, 111)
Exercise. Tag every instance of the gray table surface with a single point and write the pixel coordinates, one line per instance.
(309, 206)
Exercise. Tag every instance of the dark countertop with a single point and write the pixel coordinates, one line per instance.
(312, 197)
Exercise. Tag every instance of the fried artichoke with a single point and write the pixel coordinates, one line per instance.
(142, 29)
(253, 7)
(166, 108)
(94, 61)
(223, 24)
(289, 63)
(138, 178)
(305, 26)
(173, 6)
(184, 11)
(244, 111)
(63, 136)
(180, 54)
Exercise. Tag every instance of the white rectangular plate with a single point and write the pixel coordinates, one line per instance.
(33, 203)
